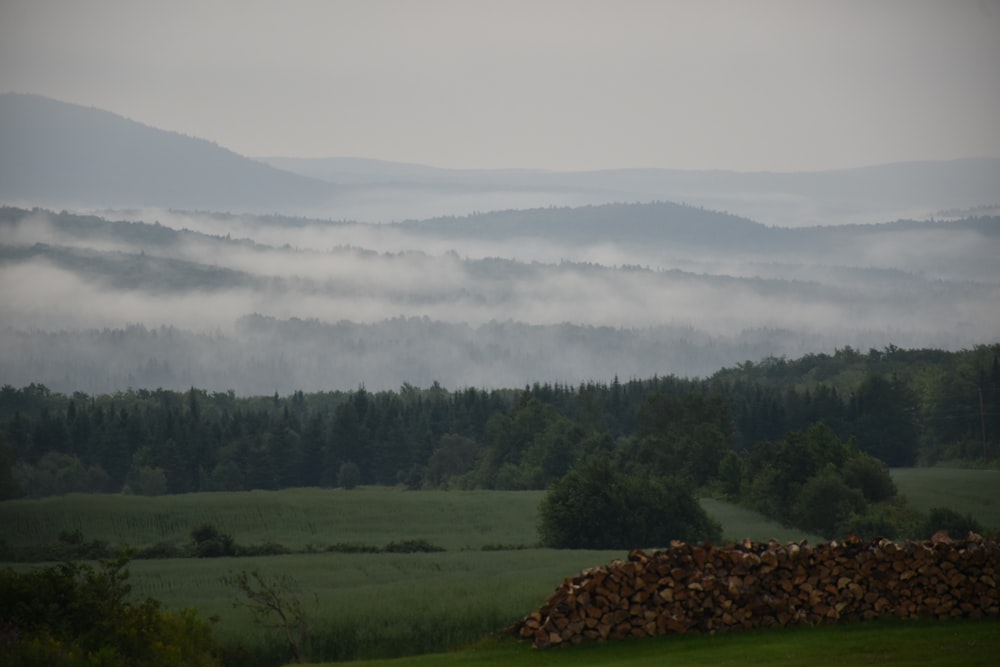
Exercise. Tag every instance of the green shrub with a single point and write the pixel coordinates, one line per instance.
(351, 548)
(263, 549)
(162, 550)
(208, 542)
(826, 503)
(894, 520)
(411, 547)
(506, 547)
(76, 615)
(870, 476)
(598, 507)
(59, 550)
(955, 524)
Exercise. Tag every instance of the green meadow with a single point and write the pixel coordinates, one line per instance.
(880, 643)
(295, 518)
(490, 573)
(314, 518)
(967, 491)
(739, 523)
(377, 604)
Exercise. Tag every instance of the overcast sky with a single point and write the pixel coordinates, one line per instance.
(553, 84)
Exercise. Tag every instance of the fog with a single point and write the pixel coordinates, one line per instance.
(259, 304)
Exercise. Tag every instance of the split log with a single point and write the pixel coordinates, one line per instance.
(706, 589)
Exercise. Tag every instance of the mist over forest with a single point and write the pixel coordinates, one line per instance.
(495, 300)
(134, 257)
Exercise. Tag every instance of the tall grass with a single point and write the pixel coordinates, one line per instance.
(375, 605)
(293, 517)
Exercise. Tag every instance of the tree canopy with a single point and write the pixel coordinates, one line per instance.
(596, 506)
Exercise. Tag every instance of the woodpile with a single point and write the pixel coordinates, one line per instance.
(706, 589)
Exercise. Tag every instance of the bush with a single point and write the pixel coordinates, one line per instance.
(411, 547)
(69, 546)
(76, 615)
(264, 549)
(351, 548)
(956, 525)
(274, 603)
(895, 520)
(598, 507)
(826, 503)
(870, 476)
(161, 550)
(506, 547)
(208, 542)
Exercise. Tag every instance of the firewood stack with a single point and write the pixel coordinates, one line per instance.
(704, 589)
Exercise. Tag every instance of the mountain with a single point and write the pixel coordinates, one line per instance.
(862, 195)
(64, 155)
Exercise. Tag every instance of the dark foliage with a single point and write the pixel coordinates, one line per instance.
(151, 442)
(815, 481)
(745, 431)
(957, 526)
(597, 507)
(411, 547)
(208, 542)
(75, 614)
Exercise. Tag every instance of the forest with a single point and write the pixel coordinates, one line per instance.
(762, 433)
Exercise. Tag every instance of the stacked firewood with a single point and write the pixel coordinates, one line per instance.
(706, 589)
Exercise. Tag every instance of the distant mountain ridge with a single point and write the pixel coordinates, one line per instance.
(864, 194)
(61, 155)
(54, 153)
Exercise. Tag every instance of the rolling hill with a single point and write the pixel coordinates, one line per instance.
(65, 155)
(61, 155)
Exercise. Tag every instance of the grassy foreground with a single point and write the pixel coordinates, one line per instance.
(379, 605)
(887, 642)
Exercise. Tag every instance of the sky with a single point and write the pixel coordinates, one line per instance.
(748, 85)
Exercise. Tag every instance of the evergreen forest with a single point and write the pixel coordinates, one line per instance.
(771, 434)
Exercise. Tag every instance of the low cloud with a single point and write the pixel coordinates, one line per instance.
(390, 283)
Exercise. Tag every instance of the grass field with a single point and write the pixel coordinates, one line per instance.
(293, 517)
(379, 604)
(297, 518)
(881, 643)
(739, 523)
(975, 492)
(382, 605)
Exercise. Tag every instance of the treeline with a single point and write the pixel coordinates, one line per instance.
(902, 407)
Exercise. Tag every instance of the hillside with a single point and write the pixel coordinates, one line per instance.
(868, 195)
(64, 155)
